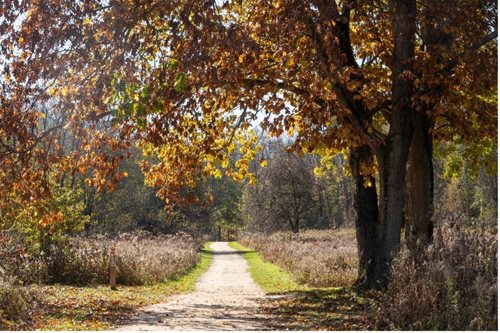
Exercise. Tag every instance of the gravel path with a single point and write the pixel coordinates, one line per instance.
(226, 298)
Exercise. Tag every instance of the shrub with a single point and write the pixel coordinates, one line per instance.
(318, 258)
(18, 263)
(450, 285)
(14, 304)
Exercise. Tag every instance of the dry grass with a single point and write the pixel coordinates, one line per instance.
(96, 307)
(317, 258)
(140, 258)
(451, 285)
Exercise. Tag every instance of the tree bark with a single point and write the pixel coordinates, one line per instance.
(420, 169)
(419, 184)
(366, 217)
(392, 157)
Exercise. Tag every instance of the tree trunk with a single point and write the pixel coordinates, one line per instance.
(420, 169)
(346, 202)
(419, 184)
(294, 225)
(366, 217)
(393, 156)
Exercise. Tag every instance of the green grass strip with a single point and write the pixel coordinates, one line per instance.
(271, 278)
(187, 282)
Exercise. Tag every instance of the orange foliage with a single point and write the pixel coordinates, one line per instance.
(186, 80)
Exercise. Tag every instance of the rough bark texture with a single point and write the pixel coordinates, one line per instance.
(393, 156)
(419, 184)
(366, 217)
(420, 169)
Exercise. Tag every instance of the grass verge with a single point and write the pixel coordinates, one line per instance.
(308, 308)
(271, 278)
(63, 307)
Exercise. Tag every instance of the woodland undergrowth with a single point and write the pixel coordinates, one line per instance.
(449, 285)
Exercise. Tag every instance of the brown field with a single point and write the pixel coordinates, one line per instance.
(317, 258)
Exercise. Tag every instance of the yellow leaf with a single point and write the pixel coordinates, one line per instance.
(318, 171)
(290, 62)
(65, 90)
(216, 173)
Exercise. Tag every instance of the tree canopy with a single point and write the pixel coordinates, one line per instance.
(186, 81)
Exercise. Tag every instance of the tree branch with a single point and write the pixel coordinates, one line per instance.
(474, 47)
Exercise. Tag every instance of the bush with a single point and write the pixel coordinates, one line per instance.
(318, 258)
(451, 285)
(14, 304)
(140, 257)
(18, 263)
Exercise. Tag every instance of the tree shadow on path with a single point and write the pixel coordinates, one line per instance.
(323, 309)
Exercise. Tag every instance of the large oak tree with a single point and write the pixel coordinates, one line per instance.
(187, 79)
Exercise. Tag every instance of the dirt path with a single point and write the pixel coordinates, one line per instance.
(226, 298)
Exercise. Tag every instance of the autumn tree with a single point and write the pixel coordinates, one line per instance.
(186, 79)
(41, 131)
(296, 191)
(285, 194)
(452, 56)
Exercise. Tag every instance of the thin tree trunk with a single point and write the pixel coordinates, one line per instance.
(294, 223)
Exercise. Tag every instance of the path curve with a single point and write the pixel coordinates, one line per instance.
(226, 298)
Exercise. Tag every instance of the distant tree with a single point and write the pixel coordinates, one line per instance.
(130, 206)
(334, 188)
(465, 193)
(133, 205)
(285, 194)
